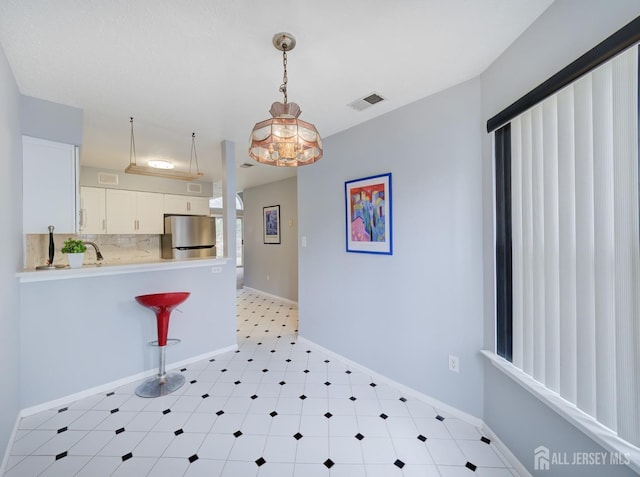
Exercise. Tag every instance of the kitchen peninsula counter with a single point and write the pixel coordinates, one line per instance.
(82, 330)
(95, 270)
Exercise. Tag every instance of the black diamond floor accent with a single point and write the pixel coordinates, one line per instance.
(260, 461)
(193, 458)
(220, 413)
(113, 411)
(237, 434)
(328, 415)
(250, 359)
(62, 429)
(348, 372)
(288, 360)
(254, 397)
(297, 436)
(237, 382)
(178, 432)
(282, 383)
(422, 438)
(403, 399)
(352, 398)
(166, 411)
(127, 456)
(205, 396)
(223, 370)
(212, 360)
(398, 463)
(273, 413)
(308, 351)
(306, 371)
(183, 369)
(303, 397)
(110, 394)
(265, 370)
(485, 440)
(119, 431)
(327, 383)
(63, 409)
(439, 418)
(326, 361)
(470, 466)
(383, 416)
(193, 381)
(61, 455)
(328, 463)
(359, 436)
(373, 385)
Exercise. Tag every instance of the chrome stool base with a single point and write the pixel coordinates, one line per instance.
(160, 386)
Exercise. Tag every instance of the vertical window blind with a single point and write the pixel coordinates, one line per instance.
(575, 243)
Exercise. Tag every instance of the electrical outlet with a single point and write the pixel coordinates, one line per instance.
(454, 363)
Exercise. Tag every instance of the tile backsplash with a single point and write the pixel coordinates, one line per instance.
(114, 248)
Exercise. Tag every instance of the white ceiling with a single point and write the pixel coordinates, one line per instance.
(209, 66)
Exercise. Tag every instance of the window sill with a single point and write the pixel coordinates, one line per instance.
(592, 428)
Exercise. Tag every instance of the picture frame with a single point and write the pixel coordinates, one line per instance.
(368, 215)
(271, 224)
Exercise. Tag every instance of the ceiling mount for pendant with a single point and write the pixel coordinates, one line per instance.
(285, 140)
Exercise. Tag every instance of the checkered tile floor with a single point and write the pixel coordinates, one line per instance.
(275, 407)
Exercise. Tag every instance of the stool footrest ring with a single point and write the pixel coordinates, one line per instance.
(170, 342)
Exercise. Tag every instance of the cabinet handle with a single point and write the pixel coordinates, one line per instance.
(189, 206)
(81, 224)
(104, 225)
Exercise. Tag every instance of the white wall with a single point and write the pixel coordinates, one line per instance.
(279, 262)
(402, 315)
(564, 32)
(10, 246)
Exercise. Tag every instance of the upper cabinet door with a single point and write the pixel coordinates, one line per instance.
(49, 186)
(150, 208)
(121, 211)
(185, 205)
(199, 205)
(92, 210)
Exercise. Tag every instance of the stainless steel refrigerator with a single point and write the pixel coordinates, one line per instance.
(188, 236)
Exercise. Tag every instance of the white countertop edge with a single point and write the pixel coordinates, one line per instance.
(116, 269)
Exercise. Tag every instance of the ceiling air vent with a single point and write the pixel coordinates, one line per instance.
(366, 102)
(246, 165)
(194, 188)
(106, 178)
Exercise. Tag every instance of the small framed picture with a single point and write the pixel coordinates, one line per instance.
(368, 214)
(271, 220)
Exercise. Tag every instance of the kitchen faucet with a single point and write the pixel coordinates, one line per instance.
(99, 256)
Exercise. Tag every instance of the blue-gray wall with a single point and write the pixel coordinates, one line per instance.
(52, 121)
(278, 262)
(11, 247)
(403, 315)
(566, 30)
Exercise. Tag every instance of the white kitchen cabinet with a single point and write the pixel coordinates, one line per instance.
(93, 213)
(185, 205)
(49, 186)
(131, 212)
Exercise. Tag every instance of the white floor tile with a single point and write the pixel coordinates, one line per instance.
(445, 452)
(122, 444)
(237, 469)
(99, 467)
(70, 465)
(376, 450)
(92, 443)
(153, 444)
(31, 441)
(166, 467)
(345, 450)
(216, 446)
(248, 448)
(462, 430)
(184, 445)
(32, 465)
(135, 467)
(280, 449)
(276, 469)
(480, 454)
(312, 450)
(205, 468)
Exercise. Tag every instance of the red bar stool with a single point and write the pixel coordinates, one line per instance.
(162, 304)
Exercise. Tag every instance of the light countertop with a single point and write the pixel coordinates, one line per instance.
(26, 276)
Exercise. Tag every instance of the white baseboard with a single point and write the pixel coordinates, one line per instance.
(7, 451)
(270, 295)
(61, 402)
(441, 406)
(506, 452)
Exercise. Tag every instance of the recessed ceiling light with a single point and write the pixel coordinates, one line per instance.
(159, 164)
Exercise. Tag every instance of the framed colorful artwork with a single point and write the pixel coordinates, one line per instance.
(368, 214)
(271, 221)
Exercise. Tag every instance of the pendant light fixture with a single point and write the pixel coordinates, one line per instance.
(162, 168)
(285, 140)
